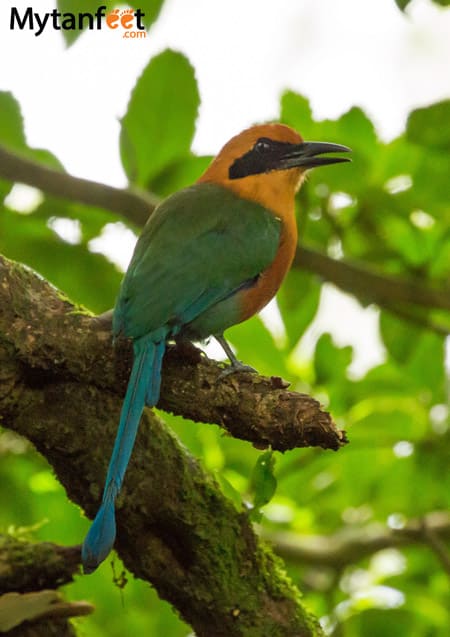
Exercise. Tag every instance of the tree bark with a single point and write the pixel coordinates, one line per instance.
(61, 386)
(27, 566)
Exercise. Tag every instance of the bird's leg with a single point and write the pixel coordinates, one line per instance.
(104, 320)
(236, 366)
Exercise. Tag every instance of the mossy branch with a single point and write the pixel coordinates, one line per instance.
(53, 338)
(61, 387)
(30, 574)
(27, 566)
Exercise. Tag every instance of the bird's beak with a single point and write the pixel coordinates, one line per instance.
(306, 155)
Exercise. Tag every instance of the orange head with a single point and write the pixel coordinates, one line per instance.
(267, 163)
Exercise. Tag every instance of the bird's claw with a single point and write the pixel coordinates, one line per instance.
(235, 367)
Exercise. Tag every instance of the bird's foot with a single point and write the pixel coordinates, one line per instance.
(235, 367)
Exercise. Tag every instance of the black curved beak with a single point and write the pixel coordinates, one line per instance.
(307, 155)
(269, 155)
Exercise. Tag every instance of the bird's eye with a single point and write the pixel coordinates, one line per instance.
(262, 145)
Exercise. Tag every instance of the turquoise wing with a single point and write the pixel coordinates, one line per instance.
(198, 248)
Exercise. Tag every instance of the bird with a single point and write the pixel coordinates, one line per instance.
(210, 256)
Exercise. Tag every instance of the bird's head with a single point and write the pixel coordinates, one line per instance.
(267, 161)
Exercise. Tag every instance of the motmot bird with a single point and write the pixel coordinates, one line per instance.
(210, 256)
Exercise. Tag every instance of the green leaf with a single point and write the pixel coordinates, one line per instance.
(295, 111)
(263, 481)
(365, 619)
(181, 173)
(353, 129)
(386, 421)
(150, 9)
(430, 127)
(440, 266)
(159, 125)
(418, 352)
(330, 361)
(11, 122)
(229, 491)
(399, 337)
(415, 246)
(426, 364)
(298, 300)
(386, 379)
(355, 125)
(12, 135)
(402, 4)
(81, 6)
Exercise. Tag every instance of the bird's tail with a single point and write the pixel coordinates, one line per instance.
(143, 389)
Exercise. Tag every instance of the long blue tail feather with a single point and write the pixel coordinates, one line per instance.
(154, 387)
(143, 389)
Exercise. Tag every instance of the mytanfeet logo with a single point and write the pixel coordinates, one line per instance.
(127, 22)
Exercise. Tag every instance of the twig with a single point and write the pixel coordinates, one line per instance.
(136, 206)
(351, 545)
(370, 286)
(432, 538)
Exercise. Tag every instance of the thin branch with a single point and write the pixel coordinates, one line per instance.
(351, 545)
(136, 206)
(417, 317)
(370, 286)
(432, 536)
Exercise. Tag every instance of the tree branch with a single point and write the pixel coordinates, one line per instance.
(30, 573)
(370, 286)
(351, 545)
(30, 566)
(136, 206)
(39, 324)
(61, 387)
(432, 536)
